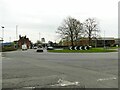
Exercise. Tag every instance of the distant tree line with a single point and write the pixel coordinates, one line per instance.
(72, 29)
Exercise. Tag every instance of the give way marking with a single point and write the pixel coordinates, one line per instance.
(105, 79)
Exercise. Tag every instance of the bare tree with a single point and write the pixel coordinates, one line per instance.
(78, 31)
(70, 29)
(91, 28)
(38, 43)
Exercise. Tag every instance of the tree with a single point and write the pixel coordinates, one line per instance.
(50, 43)
(38, 43)
(90, 28)
(78, 30)
(60, 42)
(70, 29)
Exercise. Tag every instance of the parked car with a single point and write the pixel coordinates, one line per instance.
(50, 48)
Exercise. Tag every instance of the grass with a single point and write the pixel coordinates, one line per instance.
(114, 47)
(92, 50)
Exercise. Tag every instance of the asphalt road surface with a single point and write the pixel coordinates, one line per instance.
(30, 69)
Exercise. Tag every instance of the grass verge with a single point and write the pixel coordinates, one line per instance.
(93, 50)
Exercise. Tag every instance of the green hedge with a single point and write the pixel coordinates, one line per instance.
(5, 49)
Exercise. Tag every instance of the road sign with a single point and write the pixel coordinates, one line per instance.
(79, 47)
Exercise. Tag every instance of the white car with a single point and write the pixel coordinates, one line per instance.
(35, 47)
(40, 49)
(50, 48)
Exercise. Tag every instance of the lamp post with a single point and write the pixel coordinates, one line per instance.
(2, 32)
(95, 39)
(95, 42)
(104, 40)
(16, 32)
(1, 43)
(39, 35)
(2, 35)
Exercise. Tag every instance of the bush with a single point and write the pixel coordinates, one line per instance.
(4, 49)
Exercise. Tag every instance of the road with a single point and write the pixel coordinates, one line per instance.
(29, 69)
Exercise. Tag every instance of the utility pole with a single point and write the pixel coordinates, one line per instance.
(95, 38)
(104, 39)
(16, 32)
(2, 35)
(9, 39)
(2, 32)
(39, 35)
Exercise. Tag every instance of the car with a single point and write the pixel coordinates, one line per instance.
(39, 50)
(50, 48)
(35, 47)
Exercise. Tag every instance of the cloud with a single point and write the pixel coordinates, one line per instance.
(44, 16)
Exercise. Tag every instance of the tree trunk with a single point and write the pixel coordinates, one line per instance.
(72, 41)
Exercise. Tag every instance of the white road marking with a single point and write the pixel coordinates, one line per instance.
(105, 79)
(29, 87)
(65, 83)
(5, 58)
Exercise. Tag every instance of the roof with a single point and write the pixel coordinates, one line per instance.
(7, 43)
(106, 38)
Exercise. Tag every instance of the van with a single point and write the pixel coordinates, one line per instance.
(24, 47)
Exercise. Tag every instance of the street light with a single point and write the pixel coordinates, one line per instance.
(2, 32)
(104, 40)
(1, 43)
(66, 39)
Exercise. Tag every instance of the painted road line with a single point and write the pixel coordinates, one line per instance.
(29, 88)
(65, 83)
(105, 79)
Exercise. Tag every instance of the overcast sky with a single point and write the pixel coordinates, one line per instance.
(44, 16)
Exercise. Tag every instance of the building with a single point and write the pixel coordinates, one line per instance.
(24, 40)
(99, 42)
(117, 41)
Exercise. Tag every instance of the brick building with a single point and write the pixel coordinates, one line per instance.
(100, 42)
(24, 40)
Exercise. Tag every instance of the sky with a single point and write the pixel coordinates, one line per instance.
(40, 18)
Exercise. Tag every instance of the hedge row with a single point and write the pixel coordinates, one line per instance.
(5, 49)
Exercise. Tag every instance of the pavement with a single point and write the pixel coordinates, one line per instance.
(30, 69)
